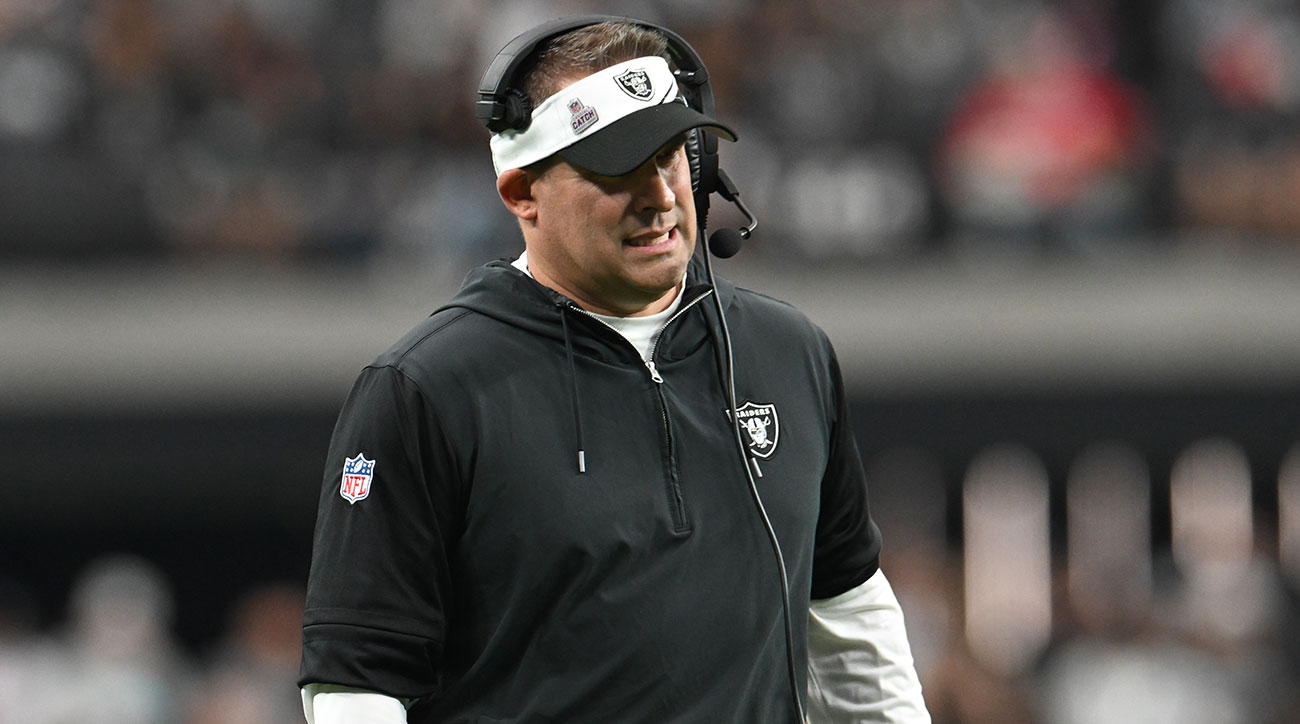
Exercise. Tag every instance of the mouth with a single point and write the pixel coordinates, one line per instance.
(653, 239)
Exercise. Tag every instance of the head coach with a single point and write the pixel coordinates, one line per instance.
(602, 484)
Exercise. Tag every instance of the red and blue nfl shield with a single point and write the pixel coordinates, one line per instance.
(358, 472)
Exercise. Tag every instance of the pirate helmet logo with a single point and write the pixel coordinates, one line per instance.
(636, 83)
(762, 427)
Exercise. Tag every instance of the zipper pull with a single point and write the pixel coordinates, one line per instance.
(654, 373)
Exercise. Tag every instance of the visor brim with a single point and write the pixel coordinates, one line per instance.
(621, 148)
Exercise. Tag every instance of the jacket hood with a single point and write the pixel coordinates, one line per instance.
(499, 290)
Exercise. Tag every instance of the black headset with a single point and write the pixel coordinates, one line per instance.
(503, 105)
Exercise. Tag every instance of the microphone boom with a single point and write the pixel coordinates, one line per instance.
(725, 243)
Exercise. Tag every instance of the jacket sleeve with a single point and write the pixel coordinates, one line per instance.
(847, 549)
(379, 585)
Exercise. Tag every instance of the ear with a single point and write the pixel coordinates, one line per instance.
(515, 186)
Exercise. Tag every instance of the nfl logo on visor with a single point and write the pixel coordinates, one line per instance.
(583, 117)
(358, 472)
(636, 83)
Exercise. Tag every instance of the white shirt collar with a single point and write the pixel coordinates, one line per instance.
(639, 331)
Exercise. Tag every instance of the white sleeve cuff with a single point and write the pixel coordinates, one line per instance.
(860, 667)
(330, 704)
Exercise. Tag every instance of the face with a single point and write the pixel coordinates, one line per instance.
(615, 245)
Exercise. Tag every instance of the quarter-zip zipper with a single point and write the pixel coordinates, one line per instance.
(654, 371)
(654, 342)
(676, 501)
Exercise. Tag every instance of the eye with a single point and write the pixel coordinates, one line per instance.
(669, 155)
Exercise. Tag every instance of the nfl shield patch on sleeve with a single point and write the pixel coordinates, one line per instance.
(358, 472)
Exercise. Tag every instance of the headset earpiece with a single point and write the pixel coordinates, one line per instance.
(516, 112)
(693, 157)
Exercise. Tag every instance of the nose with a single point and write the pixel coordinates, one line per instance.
(654, 188)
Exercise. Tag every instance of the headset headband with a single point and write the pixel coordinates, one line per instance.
(500, 77)
(503, 105)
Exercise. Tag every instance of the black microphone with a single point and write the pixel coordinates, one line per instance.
(724, 243)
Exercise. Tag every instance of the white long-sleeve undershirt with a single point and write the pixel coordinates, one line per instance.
(860, 668)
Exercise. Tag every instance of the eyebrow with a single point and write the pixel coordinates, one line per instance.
(679, 140)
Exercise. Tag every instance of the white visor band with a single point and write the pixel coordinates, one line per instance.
(584, 108)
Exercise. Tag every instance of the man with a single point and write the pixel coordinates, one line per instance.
(535, 508)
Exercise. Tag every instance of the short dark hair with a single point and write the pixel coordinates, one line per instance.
(583, 51)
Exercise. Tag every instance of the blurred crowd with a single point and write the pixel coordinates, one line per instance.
(1081, 615)
(323, 129)
(114, 658)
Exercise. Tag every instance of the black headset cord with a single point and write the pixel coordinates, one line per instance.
(729, 383)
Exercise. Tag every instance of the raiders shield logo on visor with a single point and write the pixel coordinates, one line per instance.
(636, 83)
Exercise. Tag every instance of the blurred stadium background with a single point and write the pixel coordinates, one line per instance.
(1056, 243)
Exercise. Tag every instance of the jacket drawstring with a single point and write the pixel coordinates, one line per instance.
(573, 389)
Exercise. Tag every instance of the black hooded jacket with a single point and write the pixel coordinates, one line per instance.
(479, 568)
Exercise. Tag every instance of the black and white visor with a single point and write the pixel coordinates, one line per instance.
(609, 123)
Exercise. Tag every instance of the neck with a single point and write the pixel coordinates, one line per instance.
(658, 305)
